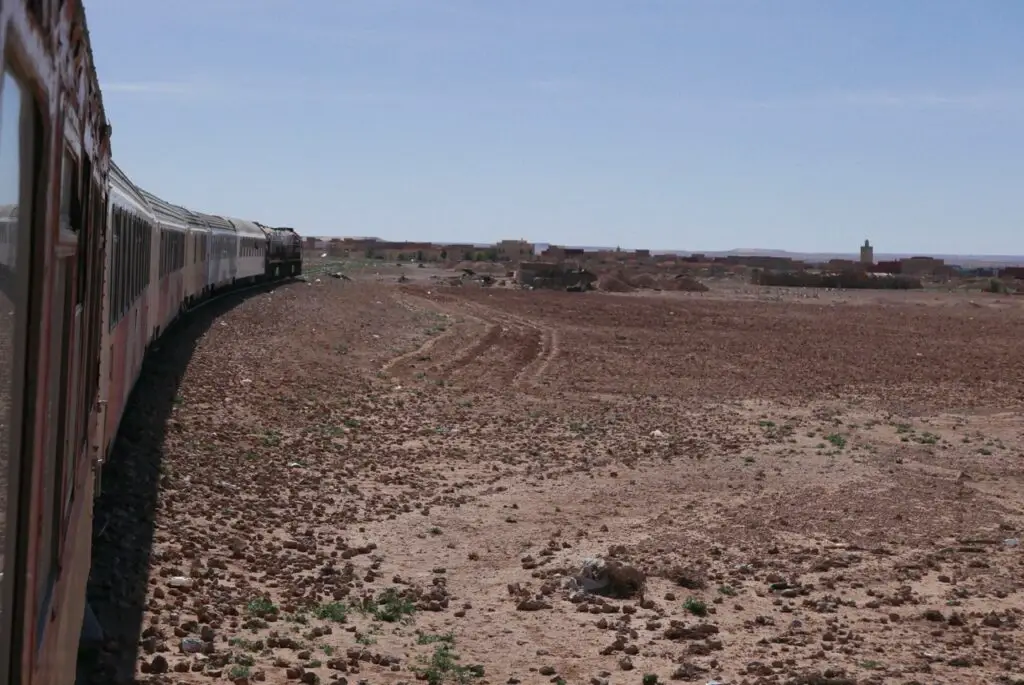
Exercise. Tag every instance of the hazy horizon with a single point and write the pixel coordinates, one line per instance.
(802, 124)
(999, 259)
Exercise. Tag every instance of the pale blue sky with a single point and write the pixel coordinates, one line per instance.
(677, 124)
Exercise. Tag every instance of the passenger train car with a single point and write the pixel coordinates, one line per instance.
(93, 269)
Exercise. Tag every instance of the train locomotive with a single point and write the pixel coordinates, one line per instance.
(93, 270)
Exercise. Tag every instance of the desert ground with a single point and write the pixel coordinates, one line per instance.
(366, 481)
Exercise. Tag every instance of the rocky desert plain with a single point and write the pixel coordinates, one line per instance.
(366, 481)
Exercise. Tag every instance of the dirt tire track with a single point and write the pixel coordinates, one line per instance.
(527, 348)
(552, 350)
(426, 347)
(527, 343)
(489, 339)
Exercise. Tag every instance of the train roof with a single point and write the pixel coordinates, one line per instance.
(194, 220)
(164, 210)
(215, 222)
(276, 229)
(247, 228)
(120, 179)
(121, 184)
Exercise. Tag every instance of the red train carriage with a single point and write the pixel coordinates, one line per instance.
(54, 159)
(85, 286)
(130, 310)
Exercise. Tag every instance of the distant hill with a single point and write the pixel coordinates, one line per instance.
(962, 260)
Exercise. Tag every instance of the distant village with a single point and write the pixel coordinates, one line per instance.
(517, 251)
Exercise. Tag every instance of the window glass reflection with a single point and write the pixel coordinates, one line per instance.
(10, 299)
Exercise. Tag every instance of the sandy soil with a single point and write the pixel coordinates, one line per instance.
(364, 481)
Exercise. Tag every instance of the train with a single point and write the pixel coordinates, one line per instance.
(94, 270)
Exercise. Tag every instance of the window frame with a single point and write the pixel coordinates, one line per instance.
(34, 165)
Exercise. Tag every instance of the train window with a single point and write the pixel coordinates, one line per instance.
(122, 248)
(122, 267)
(147, 253)
(135, 261)
(131, 257)
(16, 131)
(112, 288)
(115, 302)
(128, 260)
(111, 266)
(122, 245)
(122, 260)
(68, 179)
(71, 407)
(125, 258)
(136, 258)
(137, 277)
(140, 227)
(46, 563)
(130, 263)
(64, 331)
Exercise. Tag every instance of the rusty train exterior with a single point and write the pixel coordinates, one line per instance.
(93, 269)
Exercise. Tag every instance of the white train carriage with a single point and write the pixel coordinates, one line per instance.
(169, 258)
(222, 268)
(252, 250)
(203, 235)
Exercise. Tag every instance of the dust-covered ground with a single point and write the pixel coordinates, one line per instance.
(363, 481)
